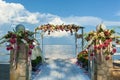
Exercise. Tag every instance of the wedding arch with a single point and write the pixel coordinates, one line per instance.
(72, 28)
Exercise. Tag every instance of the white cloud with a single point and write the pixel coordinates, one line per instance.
(57, 34)
(118, 14)
(15, 12)
(112, 23)
(56, 21)
(84, 20)
(89, 21)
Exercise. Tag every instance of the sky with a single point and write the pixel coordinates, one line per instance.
(33, 13)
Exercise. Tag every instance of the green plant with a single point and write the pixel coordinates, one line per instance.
(82, 57)
(36, 61)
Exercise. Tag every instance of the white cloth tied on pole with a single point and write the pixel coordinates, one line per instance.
(36, 52)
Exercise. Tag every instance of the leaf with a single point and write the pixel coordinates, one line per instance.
(30, 37)
(4, 41)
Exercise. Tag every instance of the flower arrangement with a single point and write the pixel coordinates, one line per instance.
(83, 53)
(117, 41)
(82, 59)
(101, 35)
(50, 28)
(102, 40)
(17, 37)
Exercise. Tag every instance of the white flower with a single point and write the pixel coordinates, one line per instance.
(100, 26)
(24, 41)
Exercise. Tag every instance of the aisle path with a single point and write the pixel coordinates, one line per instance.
(60, 69)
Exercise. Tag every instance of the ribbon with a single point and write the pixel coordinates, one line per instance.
(29, 56)
(15, 55)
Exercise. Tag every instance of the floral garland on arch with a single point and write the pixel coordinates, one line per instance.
(102, 42)
(50, 28)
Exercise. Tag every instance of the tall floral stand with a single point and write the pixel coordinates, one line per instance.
(103, 69)
(20, 47)
(20, 66)
(104, 63)
(101, 50)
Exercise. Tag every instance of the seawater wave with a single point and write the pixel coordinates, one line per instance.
(59, 51)
(4, 57)
(52, 51)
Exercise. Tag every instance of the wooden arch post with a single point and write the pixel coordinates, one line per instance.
(79, 36)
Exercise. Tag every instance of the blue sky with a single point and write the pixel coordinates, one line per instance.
(106, 9)
(32, 13)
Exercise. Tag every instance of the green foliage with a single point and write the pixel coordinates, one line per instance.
(36, 61)
(19, 35)
(83, 57)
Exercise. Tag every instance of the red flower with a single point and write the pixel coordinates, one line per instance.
(95, 47)
(105, 44)
(12, 40)
(107, 58)
(18, 47)
(106, 33)
(9, 48)
(91, 54)
(100, 46)
(114, 50)
(30, 53)
(31, 46)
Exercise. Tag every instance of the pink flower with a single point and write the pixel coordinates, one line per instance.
(105, 45)
(107, 41)
(110, 40)
(100, 46)
(114, 50)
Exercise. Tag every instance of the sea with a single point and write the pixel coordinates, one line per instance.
(52, 51)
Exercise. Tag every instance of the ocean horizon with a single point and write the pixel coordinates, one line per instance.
(52, 51)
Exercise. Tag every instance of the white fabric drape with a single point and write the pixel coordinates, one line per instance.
(37, 52)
